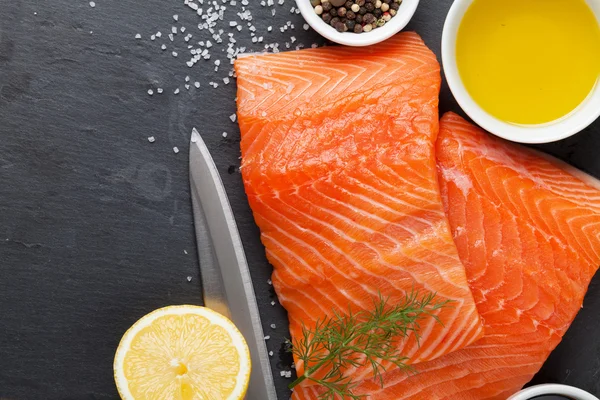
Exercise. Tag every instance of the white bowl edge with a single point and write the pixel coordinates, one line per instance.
(576, 121)
(393, 26)
(552, 388)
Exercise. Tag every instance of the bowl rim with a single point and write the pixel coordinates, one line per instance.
(580, 118)
(552, 388)
(395, 25)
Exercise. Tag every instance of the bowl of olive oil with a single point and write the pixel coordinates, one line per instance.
(525, 70)
(552, 391)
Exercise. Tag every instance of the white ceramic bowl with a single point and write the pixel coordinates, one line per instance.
(567, 391)
(576, 121)
(396, 24)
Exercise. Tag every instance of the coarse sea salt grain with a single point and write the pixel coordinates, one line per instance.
(197, 84)
(176, 91)
(273, 326)
(164, 47)
(92, 4)
(267, 337)
(233, 117)
(271, 353)
(189, 278)
(224, 134)
(150, 92)
(151, 139)
(272, 303)
(138, 36)
(159, 90)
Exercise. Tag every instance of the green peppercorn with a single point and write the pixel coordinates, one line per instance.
(358, 28)
(359, 19)
(381, 22)
(341, 12)
(350, 15)
(327, 18)
(326, 6)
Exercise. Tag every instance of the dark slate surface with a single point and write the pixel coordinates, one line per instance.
(95, 221)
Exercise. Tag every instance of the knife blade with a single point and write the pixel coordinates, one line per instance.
(226, 283)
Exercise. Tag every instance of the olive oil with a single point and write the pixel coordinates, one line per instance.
(529, 61)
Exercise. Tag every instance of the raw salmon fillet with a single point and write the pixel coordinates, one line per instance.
(527, 228)
(338, 165)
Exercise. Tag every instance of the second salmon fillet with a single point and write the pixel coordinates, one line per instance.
(339, 168)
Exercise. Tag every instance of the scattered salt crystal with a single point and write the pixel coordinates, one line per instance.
(182, 29)
(271, 353)
(138, 36)
(174, 53)
(270, 28)
(187, 86)
(173, 29)
(189, 278)
(176, 91)
(92, 4)
(270, 282)
(306, 27)
(171, 37)
(272, 303)
(273, 326)
(175, 150)
(224, 134)
(267, 337)
(187, 78)
(233, 117)
(197, 84)
(151, 139)
(288, 374)
(158, 34)
(282, 373)
(159, 90)
(184, 250)
(176, 17)
(164, 47)
(232, 23)
(150, 92)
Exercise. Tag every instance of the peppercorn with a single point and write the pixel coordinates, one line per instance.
(349, 4)
(367, 28)
(362, 11)
(358, 28)
(350, 15)
(315, 3)
(387, 16)
(326, 6)
(385, 7)
(369, 19)
(359, 19)
(392, 12)
(355, 8)
(333, 12)
(319, 10)
(387, 1)
(380, 22)
(341, 12)
(327, 18)
(371, 1)
(395, 6)
(337, 3)
(340, 27)
(334, 21)
(377, 12)
(360, 2)
(350, 25)
(369, 7)
(378, 4)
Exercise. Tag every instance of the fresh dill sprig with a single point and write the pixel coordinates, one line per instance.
(342, 341)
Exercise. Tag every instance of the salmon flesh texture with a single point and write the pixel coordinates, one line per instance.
(339, 168)
(527, 228)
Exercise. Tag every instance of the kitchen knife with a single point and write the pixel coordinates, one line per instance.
(226, 283)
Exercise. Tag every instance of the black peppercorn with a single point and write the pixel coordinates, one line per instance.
(395, 6)
(333, 12)
(377, 12)
(327, 18)
(337, 3)
(341, 12)
(340, 27)
(362, 11)
(360, 2)
(350, 24)
(369, 19)
(350, 15)
(369, 7)
(359, 19)
(334, 21)
(326, 6)
(348, 4)
(358, 28)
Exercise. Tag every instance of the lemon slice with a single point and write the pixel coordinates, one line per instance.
(182, 353)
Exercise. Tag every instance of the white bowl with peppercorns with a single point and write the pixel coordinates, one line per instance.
(357, 22)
